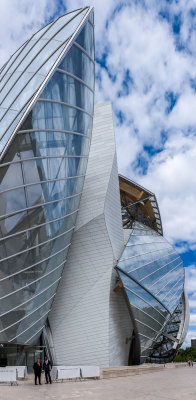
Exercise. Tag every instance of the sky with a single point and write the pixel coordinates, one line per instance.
(146, 66)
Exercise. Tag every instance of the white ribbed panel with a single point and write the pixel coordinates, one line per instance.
(86, 311)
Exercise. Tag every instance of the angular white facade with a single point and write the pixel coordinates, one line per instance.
(89, 322)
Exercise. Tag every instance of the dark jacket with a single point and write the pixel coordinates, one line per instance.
(37, 368)
(47, 367)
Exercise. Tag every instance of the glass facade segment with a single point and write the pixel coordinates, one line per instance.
(4, 72)
(141, 293)
(48, 159)
(86, 39)
(168, 342)
(154, 263)
(43, 50)
(30, 81)
(152, 275)
(80, 58)
(149, 315)
(64, 88)
(64, 27)
(46, 115)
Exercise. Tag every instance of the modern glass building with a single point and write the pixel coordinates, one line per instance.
(59, 188)
(47, 90)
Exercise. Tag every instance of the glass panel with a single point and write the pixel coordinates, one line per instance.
(5, 69)
(149, 268)
(5, 132)
(40, 144)
(42, 31)
(12, 201)
(132, 251)
(25, 294)
(152, 306)
(65, 27)
(13, 245)
(27, 259)
(37, 216)
(145, 330)
(154, 263)
(33, 237)
(86, 39)
(22, 326)
(59, 168)
(10, 224)
(162, 269)
(6, 120)
(133, 264)
(10, 176)
(51, 191)
(91, 17)
(148, 313)
(79, 64)
(68, 90)
(23, 310)
(31, 332)
(18, 97)
(59, 117)
(31, 47)
(11, 79)
(141, 315)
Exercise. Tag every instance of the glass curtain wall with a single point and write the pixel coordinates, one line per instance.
(173, 334)
(164, 348)
(152, 275)
(29, 66)
(41, 180)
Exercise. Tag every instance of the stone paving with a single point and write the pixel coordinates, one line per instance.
(169, 384)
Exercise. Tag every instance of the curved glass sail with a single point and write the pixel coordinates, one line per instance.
(42, 171)
(152, 275)
(23, 77)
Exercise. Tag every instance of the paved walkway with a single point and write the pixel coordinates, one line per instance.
(169, 384)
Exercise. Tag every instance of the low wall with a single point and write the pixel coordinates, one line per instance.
(115, 372)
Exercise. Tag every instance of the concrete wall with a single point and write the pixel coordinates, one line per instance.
(86, 314)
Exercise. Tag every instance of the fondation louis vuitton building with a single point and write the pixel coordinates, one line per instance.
(85, 272)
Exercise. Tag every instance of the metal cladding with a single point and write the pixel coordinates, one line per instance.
(47, 100)
(121, 299)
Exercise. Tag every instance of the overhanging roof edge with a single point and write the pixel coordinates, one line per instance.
(129, 181)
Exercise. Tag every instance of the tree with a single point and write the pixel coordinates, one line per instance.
(184, 355)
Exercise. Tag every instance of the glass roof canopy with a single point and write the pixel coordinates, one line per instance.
(138, 204)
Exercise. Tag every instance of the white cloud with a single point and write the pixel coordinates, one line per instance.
(191, 283)
(171, 176)
(19, 19)
(184, 114)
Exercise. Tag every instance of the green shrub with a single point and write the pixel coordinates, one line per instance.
(184, 355)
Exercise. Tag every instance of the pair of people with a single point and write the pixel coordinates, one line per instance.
(47, 366)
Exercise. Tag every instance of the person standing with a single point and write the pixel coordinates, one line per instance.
(47, 366)
(37, 371)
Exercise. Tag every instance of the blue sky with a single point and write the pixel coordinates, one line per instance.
(145, 65)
